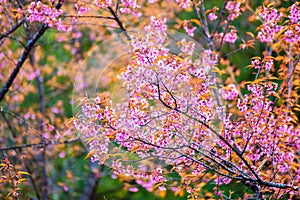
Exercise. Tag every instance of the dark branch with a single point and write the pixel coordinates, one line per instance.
(25, 54)
(15, 27)
(38, 145)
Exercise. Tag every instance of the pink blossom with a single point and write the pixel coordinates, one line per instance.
(233, 8)
(189, 29)
(270, 15)
(256, 64)
(229, 92)
(212, 16)
(39, 12)
(187, 47)
(51, 128)
(130, 7)
(62, 154)
(82, 8)
(55, 110)
(291, 36)
(230, 37)
(158, 24)
(270, 27)
(267, 33)
(133, 189)
(183, 4)
(66, 188)
(294, 13)
(103, 3)
(269, 64)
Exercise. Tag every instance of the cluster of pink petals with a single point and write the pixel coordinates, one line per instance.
(187, 47)
(264, 131)
(233, 7)
(270, 28)
(292, 35)
(82, 8)
(189, 28)
(103, 3)
(294, 14)
(183, 4)
(266, 64)
(39, 12)
(229, 92)
(230, 37)
(157, 24)
(129, 7)
(256, 64)
(270, 15)
(212, 16)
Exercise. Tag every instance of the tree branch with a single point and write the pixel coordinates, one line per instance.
(25, 54)
(21, 60)
(38, 145)
(15, 27)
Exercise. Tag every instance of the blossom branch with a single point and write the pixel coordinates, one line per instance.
(25, 55)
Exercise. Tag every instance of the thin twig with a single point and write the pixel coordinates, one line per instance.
(219, 20)
(117, 19)
(89, 16)
(38, 145)
(14, 28)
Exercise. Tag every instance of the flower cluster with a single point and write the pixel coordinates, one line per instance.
(156, 25)
(270, 28)
(292, 33)
(294, 13)
(267, 63)
(229, 92)
(82, 8)
(103, 3)
(291, 36)
(262, 130)
(129, 7)
(189, 28)
(39, 12)
(230, 37)
(183, 4)
(187, 48)
(233, 7)
(212, 16)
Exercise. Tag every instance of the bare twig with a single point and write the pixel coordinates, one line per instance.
(89, 16)
(219, 20)
(117, 19)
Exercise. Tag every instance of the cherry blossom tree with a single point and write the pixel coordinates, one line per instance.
(171, 111)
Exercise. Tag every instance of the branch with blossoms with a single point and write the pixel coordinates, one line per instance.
(172, 115)
(187, 111)
(31, 42)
